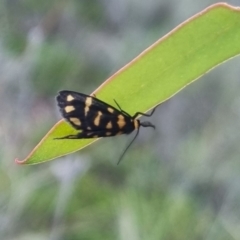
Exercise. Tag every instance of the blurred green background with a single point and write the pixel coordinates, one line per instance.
(181, 181)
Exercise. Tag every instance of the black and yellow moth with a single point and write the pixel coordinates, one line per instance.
(95, 118)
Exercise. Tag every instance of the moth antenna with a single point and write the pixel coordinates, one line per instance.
(128, 147)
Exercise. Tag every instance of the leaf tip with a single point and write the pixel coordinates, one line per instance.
(18, 161)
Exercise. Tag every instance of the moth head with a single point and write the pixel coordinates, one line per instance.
(147, 124)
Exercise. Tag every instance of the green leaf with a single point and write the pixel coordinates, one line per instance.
(176, 60)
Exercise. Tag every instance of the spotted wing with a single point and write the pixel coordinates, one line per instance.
(94, 117)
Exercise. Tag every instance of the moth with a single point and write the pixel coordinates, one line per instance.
(95, 118)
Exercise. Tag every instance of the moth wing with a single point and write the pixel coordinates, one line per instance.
(87, 113)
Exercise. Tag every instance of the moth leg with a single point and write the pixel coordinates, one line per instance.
(121, 109)
(85, 135)
(145, 114)
(77, 136)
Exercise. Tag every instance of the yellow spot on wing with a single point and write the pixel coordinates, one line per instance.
(97, 119)
(88, 103)
(75, 121)
(121, 121)
(109, 125)
(69, 109)
(111, 110)
(70, 98)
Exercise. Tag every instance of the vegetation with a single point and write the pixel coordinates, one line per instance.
(178, 182)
